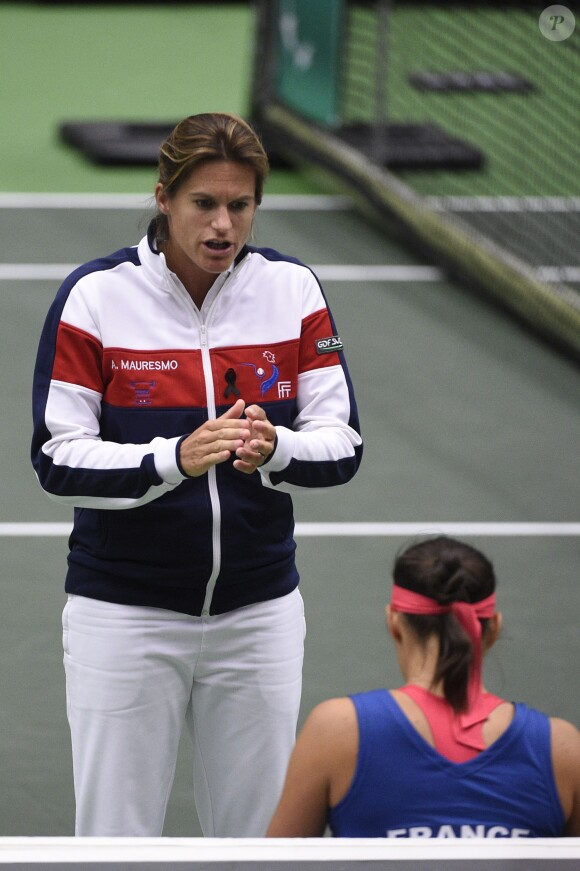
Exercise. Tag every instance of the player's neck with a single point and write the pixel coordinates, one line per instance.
(419, 664)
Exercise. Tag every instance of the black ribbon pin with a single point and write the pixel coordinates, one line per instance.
(230, 377)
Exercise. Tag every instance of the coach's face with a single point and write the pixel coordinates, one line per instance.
(209, 217)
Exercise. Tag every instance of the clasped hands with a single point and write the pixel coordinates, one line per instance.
(251, 439)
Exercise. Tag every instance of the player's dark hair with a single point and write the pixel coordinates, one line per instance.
(448, 571)
(205, 137)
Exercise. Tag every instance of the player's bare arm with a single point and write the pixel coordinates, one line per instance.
(566, 761)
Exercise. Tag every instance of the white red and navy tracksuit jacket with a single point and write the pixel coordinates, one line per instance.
(127, 366)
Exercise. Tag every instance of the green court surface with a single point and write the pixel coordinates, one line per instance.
(466, 417)
(124, 62)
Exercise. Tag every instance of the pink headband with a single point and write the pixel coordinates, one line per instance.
(415, 603)
(466, 613)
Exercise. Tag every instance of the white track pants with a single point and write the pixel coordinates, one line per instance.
(135, 674)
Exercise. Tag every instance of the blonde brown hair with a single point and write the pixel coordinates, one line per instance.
(204, 137)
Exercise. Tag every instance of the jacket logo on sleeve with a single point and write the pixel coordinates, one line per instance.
(327, 346)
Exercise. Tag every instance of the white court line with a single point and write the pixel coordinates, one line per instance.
(559, 273)
(325, 272)
(274, 202)
(503, 204)
(35, 271)
(271, 202)
(329, 272)
(76, 201)
(306, 202)
(434, 527)
(341, 530)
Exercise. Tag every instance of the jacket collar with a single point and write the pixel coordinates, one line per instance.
(156, 266)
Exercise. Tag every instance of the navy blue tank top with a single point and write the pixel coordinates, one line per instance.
(404, 788)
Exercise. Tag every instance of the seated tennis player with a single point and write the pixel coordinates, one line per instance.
(440, 756)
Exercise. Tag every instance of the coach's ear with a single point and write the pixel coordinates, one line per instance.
(161, 198)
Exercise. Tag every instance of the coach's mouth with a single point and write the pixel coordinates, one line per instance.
(218, 245)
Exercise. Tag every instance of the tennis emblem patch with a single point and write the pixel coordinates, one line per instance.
(327, 346)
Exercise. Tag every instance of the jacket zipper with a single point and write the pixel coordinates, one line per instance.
(212, 478)
(211, 473)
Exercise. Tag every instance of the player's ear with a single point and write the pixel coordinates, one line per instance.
(393, 623)
(493, 630)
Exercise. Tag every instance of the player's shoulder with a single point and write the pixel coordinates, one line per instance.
(331, 714)
(565, 739)
(565, 746)
(330, 733)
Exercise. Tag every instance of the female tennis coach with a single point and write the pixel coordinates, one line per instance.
(184, 388)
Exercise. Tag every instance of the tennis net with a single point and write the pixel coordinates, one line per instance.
(455, 125)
